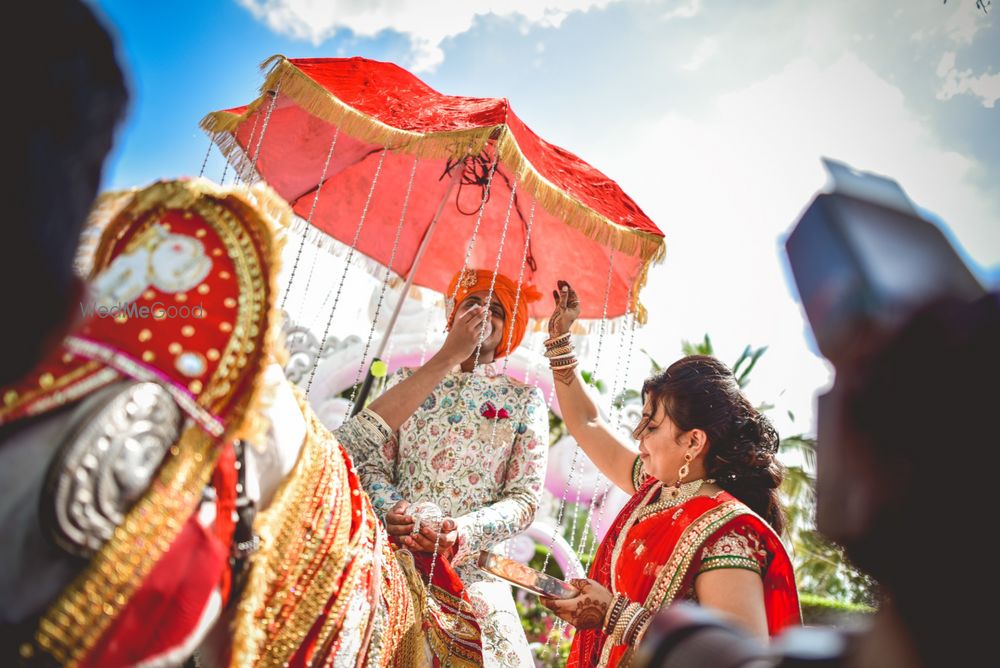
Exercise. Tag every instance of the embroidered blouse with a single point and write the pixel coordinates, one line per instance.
(477, 447)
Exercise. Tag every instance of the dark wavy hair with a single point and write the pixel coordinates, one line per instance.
(700, 392)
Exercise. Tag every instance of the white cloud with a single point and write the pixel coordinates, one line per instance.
(727, 185)
(685, 9)
(986, 86)
(426, 24)
(706, 48)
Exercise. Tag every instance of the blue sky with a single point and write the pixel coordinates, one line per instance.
(712, 114)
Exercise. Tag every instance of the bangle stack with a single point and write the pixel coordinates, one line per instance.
(625, 621)
(615, 610)
(636, 626)
(559, 351)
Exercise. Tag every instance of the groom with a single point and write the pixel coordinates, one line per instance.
(458, 434)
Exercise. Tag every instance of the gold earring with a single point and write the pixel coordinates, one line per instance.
(684, 469)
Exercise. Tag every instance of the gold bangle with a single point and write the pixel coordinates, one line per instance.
(622, 623)
(618, 605)
(638, 618)
(567, 363)
(641, 628)
(560, 340)
(561, 350)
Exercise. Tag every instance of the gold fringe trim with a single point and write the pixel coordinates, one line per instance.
(324, 242)
(283, 76)
(288, 80)
(254, 642)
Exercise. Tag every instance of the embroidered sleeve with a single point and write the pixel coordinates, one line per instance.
(737, 548)
(638, 473)
(521, 490)
(374, 448)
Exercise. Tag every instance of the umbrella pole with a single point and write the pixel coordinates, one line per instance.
(366, 386)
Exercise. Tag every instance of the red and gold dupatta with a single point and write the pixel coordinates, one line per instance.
(652, 564)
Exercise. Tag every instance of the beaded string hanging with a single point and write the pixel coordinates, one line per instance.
(616, 413)
(347, 266)
(312, 210)
(486, 312)
(252, 173)
(475, 229)
(385, 279)
(513, 319)
(204, 163)
(593, 384)
(576, 466)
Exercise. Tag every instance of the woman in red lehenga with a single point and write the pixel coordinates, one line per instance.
(704, 519)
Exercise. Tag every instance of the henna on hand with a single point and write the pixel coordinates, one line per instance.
(585, 611)
(567, 309)
(589, 614)
(565, 376)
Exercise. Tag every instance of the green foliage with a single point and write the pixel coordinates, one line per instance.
(590, 379)
(745, 363)
(654, 367)
(817, 610)
(703, 347)
(821, 567)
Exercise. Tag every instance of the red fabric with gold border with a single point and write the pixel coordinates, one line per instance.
(175, 245)
(671, 542)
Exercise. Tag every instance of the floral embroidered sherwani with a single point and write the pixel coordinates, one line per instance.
(476, 447)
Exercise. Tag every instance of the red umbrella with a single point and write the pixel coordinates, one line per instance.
(360, 130)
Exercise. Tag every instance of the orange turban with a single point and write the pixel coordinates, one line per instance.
(504, 292)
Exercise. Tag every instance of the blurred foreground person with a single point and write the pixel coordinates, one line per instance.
(902, 413)
(916, 345)
(137, 451)
(57, 137)
(894, 434)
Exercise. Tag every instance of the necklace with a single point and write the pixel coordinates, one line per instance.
(671, 496)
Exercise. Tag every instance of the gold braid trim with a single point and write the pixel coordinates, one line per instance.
(71, 627)
(306, 543)
(434, 638)
(285, 77)
(251, 249)
(288, 80)
(671, 577)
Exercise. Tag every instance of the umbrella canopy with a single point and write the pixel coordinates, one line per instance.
(366, 133)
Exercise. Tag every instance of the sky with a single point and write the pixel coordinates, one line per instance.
(711, 114)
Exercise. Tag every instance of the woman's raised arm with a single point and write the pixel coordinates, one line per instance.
(612, 455)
